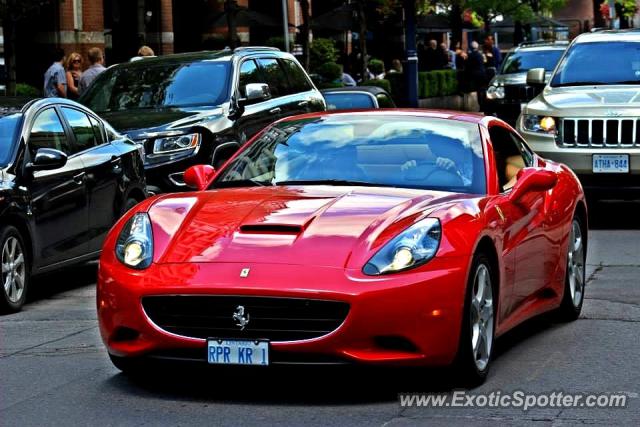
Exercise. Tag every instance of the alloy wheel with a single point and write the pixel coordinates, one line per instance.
(13, 269)
(482, 317)
(575, 264)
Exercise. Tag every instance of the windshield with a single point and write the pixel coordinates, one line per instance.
(8, 129)
(525, 60)
(159, 85)
(348, 101)
(583, 64)
(354, 149)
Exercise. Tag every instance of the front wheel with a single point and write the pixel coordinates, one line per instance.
(15, 270)
(575, 277)
(478, 324)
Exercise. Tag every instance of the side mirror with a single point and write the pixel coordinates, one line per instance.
(198, 176)
(255, 92)
(536, 77)
(47, 159)
(532, 180)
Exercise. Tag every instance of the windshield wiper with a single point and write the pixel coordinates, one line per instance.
(241, 183)
(332, 182)
(581, 84)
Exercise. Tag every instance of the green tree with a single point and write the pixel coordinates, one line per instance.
(12, 13)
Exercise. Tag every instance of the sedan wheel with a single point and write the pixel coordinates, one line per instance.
(14, 270)
(573, 298)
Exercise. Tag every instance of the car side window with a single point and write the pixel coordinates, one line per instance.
(275, 76)
(508, 156)
(249, 73)
(47, 132)
(97, 130)
(298, 81)
(82, 129)
(384, 101)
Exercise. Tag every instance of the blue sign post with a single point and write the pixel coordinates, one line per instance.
(411, 69)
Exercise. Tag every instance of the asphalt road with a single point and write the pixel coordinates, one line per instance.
(54, 370)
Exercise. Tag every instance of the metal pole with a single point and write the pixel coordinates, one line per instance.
(411, 70)
(285, 20)
(612, 13)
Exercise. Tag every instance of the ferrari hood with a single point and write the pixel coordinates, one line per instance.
(280, 225)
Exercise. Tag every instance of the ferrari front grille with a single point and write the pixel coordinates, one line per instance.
(601, 132)
(242, 317)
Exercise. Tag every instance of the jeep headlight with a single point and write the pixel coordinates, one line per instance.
(134, 247)
(495, 92)
(412, 247)
(536, 123)
(172, 144)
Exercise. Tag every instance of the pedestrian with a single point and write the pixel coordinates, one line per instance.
(449, 56)
(55, 79)
(146, 51)
(434, 58)
(396, 67)
(495, 50)
(74, 72)
(476, 73)
(96, 59)
(489, 58)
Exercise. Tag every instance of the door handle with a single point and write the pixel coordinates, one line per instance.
(276, 110)
(79, 178)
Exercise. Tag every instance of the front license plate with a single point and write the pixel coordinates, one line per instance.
(238, 352)
(610, 163)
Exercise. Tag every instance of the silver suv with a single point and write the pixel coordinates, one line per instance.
(508, 89)
(588, 114)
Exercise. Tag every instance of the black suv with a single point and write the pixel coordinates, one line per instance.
(65, 178)
(198, 108)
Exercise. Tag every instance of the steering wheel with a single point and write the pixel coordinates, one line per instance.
(419, 172)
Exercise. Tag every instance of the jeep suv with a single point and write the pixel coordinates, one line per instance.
(509, 89)
(587, 115)
(196, 108)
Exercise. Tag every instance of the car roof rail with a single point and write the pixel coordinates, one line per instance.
(543, 42)
(247, 48)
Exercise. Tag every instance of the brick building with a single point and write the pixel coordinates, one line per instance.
(120, 27)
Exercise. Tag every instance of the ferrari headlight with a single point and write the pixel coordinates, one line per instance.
(495, 92)
(134, 247)
(172, 144)
(412, 247)
(542, 124)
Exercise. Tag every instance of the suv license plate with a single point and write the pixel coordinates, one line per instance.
(610, 163)
(238, 352)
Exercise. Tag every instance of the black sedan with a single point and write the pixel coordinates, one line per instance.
(65, 178)
(357, 97)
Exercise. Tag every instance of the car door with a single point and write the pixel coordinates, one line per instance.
(307, 99)
(285, 103)
(524, 222)
(59, 200)
(103, 167)
(258, 115)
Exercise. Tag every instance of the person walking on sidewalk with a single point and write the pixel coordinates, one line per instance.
(96, 58)
(55, 79)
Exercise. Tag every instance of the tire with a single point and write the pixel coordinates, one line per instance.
(575, 276)
(16, 270)
(477, 335)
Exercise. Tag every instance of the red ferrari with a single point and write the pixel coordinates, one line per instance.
(388, 237)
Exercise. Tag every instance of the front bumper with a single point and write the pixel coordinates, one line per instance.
(403, 319)
(580, 160)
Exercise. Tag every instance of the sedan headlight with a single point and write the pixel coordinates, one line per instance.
(495, 92)
(413, 247)
(134, 247)
(535, 123)
(172, 144)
